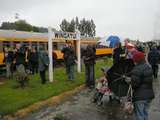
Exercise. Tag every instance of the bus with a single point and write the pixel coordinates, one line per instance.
(9, 38)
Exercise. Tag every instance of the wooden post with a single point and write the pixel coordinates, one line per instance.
(50, 37)
(78, 37)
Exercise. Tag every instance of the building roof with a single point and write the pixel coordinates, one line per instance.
(36, 35)
(21, 34)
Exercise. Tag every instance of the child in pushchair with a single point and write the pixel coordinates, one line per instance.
(102, 88)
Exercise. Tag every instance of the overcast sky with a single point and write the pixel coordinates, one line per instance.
(134, 19)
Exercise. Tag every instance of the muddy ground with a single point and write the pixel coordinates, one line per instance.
(80, 107)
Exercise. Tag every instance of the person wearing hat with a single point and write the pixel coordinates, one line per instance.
(141, 81)
(130, 50)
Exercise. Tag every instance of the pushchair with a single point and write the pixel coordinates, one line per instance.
(102, 88)
(116, 82)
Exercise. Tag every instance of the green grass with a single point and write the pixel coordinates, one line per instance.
(13, 99)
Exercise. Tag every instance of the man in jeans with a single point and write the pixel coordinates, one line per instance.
(69, 59)
(141, 81)
(89, 61)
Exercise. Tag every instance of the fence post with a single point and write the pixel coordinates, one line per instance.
(78, 42)
(51, 36)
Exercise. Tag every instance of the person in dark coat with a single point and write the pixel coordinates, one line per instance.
(19, 61)
(141, 81)
(28, 59)
(117, 53)
(34, 61)
(69, 59)
(153, 59)
(8, 59)
(89, 61)
(43, 64)
(19, 55)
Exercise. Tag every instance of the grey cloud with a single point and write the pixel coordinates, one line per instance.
(128, 18)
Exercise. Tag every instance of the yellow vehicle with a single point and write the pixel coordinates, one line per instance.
(1, 59)
(9, 38)
(104, 51)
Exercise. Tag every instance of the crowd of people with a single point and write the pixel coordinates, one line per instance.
(146, 67)
(25, 60)
(141, 77)
(29, 60)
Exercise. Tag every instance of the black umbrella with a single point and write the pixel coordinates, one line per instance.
(116, 76)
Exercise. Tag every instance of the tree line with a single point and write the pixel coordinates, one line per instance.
(86, 27)
(22, 25)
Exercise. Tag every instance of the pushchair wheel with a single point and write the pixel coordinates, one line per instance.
(95, 97)
(99, 99)
(99, 103)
